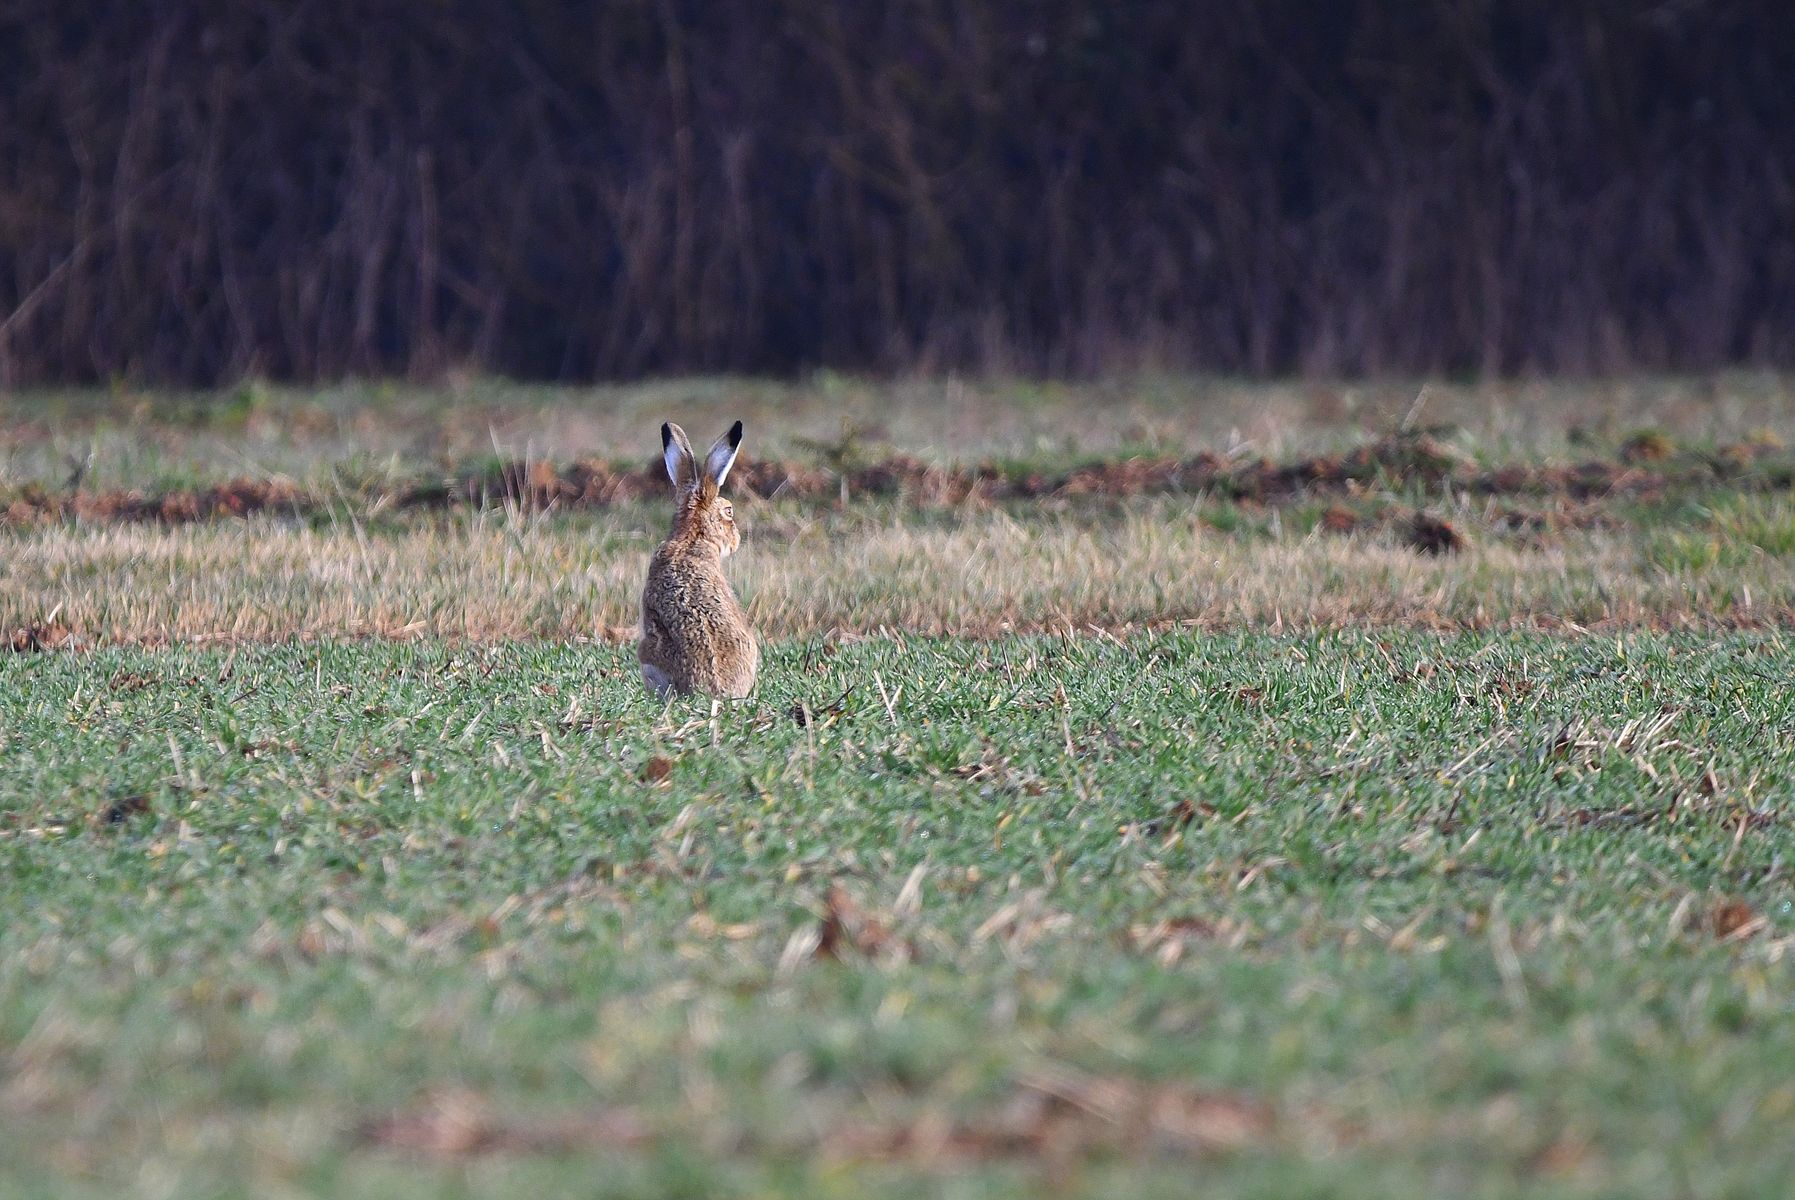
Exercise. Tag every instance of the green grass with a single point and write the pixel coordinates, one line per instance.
(1436, 914)
(1721, 530)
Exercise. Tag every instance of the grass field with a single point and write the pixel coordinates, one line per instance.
(136, 439)
(1086, 845)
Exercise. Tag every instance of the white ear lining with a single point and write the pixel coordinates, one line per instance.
(722, 455)
(718, 463)
(676, 452)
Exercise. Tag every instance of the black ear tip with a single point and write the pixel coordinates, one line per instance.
(735, 434)
(666, 434)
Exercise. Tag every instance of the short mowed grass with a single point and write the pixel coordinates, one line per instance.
(1376, 914)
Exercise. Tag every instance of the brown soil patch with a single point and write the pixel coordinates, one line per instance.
(1431, 535)
(1339, 519)
(1644, 469)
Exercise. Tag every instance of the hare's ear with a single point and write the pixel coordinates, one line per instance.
(722, 455)
(682, 468)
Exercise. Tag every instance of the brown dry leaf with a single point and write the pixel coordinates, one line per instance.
(458, 1124)
(1176, 817)
(1735, 920)
(311, 944)
(1063, 1115)
(1197, 1121)
(33, 638)
(1568, 1155)
(124, 808)
(849, 927)
(1168, 941)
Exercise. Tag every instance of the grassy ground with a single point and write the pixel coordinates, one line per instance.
(1644, 504)
(1348, 914)
(1090, 844)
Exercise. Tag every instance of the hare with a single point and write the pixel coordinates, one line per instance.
(694, 634)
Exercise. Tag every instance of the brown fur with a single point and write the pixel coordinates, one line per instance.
(695, 636)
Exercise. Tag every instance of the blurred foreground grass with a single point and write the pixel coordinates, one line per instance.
(1354, 914)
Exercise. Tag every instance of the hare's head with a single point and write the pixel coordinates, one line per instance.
(700, 514)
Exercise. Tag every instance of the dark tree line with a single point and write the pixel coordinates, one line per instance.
(192, 191)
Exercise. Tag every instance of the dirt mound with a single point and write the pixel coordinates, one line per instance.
(1395, 463)
(1431, 535)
